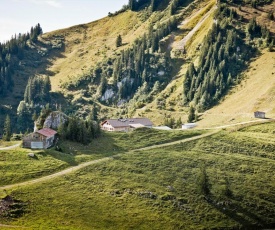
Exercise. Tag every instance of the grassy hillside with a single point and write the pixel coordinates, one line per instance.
(256, 92)
(252, 91)
(222, 181)
(74, 53)
(16, 166)
(168, 102)
(88, 44)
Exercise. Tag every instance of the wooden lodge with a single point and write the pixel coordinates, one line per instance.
(41, 139)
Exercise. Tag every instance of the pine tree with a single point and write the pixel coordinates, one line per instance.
(23, 116)
(103, 85)
(270, 46)
(72, 129)
(61, 130)
(47, 88)
(191, 115)
(119, 41)
(7, 129)
(153, 5)
(82, 132)
(179, 123)
(34, 116)
(132, 4)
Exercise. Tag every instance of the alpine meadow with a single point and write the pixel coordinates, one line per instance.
(158, 116)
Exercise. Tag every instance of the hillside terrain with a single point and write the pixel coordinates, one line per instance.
(222, 181)
(173, 61)
(256, 92)
(87, 70)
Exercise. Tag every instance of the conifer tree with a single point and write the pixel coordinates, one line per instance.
(7, 129)
(61, 130)
(119, 41)
(191, 115)
(132, 4)
(179, 123)
(270, 46)
(93, 114)
(154, 4)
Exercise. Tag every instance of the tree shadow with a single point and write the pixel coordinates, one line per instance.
(241, 215)
(65, 157)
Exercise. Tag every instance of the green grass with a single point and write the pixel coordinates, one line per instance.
(112, 143)
(4, 144)
(144, 137)
(16, 166)
(161, 188)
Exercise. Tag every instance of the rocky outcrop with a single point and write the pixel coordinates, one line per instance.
(54, 120)
(109, 93)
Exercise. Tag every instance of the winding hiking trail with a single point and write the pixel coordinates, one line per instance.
(178, 142)
(242, 123)
(10, 147)
(61, 173)
(11, 226)
(83, 165)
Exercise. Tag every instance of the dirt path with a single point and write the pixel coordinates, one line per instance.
(179, 141)
(10, 147)
(61, 173)
(243, 123)
(11, 226)
(83, 165)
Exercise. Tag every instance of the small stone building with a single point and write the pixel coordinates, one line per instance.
(259, 114)
(41, 139)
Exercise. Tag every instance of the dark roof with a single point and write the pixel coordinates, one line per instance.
(47, 132)
(129, 121)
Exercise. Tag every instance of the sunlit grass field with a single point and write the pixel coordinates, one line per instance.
(17, 166)
(223, 181)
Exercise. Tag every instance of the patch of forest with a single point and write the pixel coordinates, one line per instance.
(224, 54)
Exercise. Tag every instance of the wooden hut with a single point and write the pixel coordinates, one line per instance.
(41, 139)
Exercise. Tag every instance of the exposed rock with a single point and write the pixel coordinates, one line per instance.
(109, 93)
(161, 73)
(54, 120)
(147, 194)
(170, 188)
(166, 197)
(32, 155)
(121, 103)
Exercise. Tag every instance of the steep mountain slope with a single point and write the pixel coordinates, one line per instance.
(183, 50)
(256, 84)
(256, 92)
(87, 69)
(88, 44)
